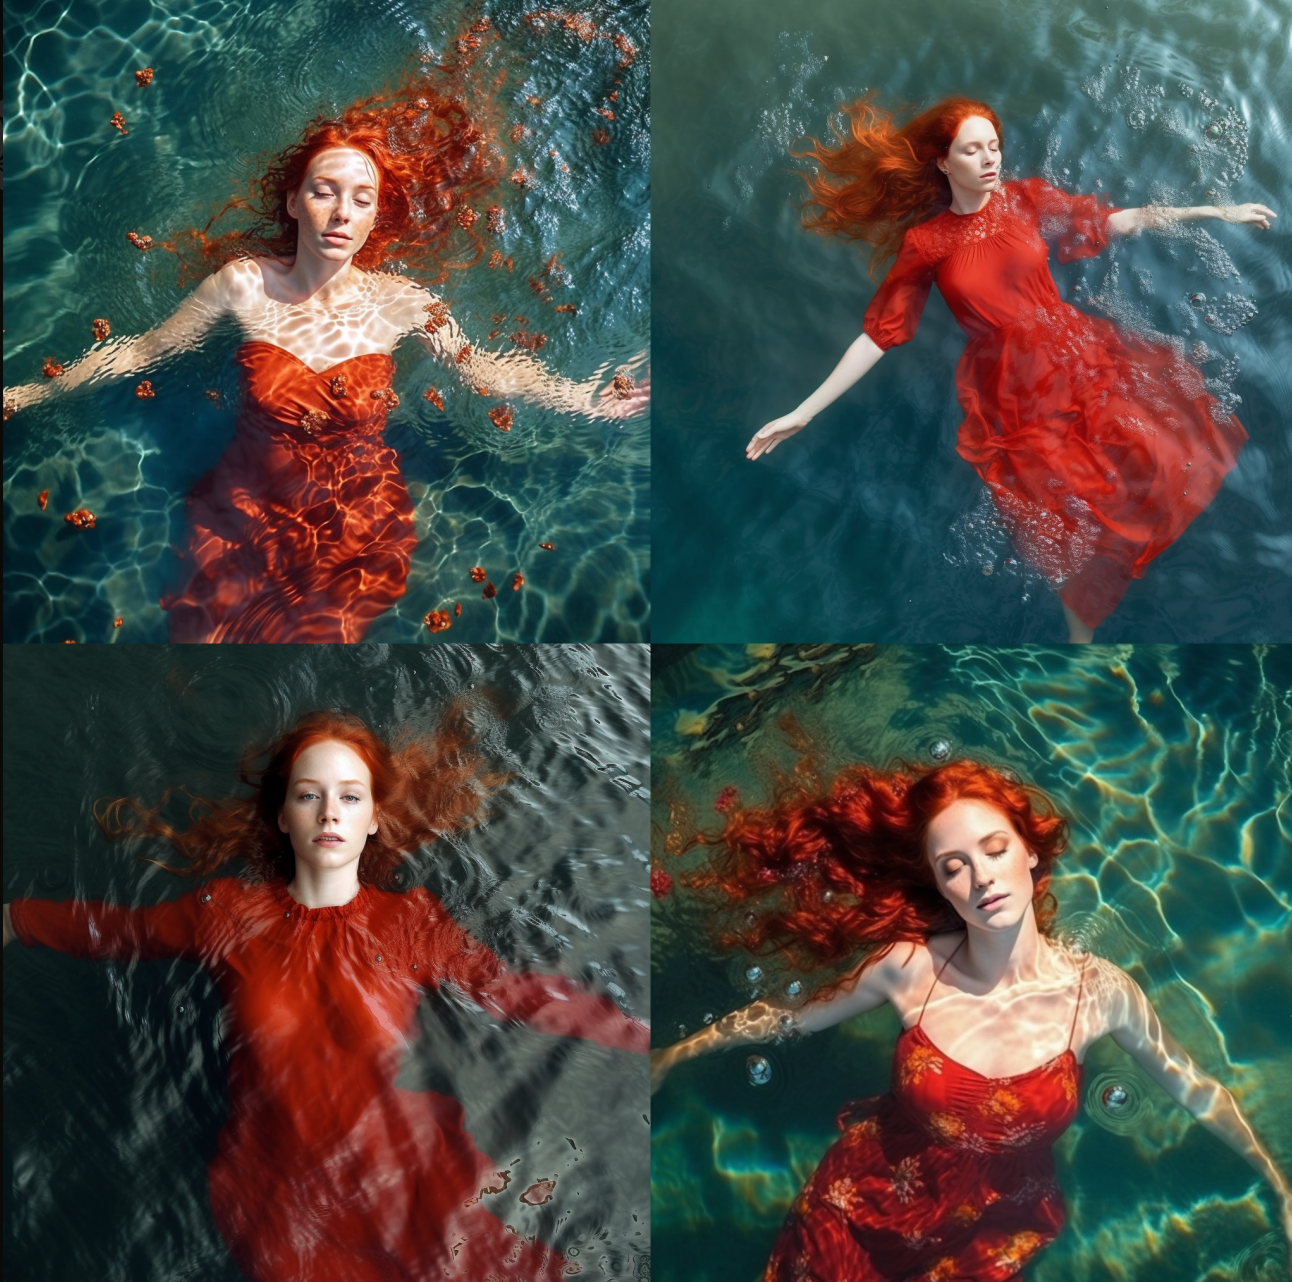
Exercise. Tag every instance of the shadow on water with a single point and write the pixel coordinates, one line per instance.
(115, 1072)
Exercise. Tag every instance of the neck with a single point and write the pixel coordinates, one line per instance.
(324, 887)
(964, 201)
(1004, 956)
(320, 280)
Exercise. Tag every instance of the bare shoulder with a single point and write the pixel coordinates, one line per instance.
(239, 284)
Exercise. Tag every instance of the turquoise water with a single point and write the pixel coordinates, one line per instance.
(868, 525)
(114, 1074)
(236, 82)
(1175, 767)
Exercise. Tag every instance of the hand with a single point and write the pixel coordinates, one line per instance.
(625, 396)
(18, 398)
(766, 439)
(9, 936)
(661, 1061)
(1257, 215)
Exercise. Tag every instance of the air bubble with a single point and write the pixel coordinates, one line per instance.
(939, 750)
(759, 1070)
(1198, 300)
(793, 988)
(754, 974)
(988, 568)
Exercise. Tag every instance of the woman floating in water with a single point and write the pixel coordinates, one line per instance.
(1098, 447)
(304, 530)
(940, 880)
(325, 1170)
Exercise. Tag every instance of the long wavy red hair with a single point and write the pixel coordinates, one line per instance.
(424, 785)
(432, 160)
(828, 877)
(879, 180)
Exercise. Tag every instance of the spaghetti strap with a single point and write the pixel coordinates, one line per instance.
(1080, 989)
(938, 976)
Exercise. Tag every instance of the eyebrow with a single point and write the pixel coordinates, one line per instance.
(946, 854)
(345, 783)
(336, 182)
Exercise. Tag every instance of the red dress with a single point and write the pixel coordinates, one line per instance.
(947, 1179)
(304, 530)
(325, 1170)
(1098, 446)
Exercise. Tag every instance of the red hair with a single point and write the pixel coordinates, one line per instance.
(821, 877)
(423, 786)
(890, 178)
(430, 156)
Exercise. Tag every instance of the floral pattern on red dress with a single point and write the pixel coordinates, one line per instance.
(948, 1177)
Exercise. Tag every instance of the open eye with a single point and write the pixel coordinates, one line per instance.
(349, 796)
(308, 796)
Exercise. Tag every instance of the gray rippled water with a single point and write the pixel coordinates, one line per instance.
(114, 1073)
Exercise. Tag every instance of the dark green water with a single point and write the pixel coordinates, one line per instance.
(235, 83)
(1174, 765)
(868, 525)
(114, 1095)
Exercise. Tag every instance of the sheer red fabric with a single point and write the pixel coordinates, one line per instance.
(1098, 446)
(325, 1170)
(947, 1179)
(304, 530)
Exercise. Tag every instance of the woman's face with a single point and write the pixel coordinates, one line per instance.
(980, 864)
(329, 812)
(973, 160)
(336, 205)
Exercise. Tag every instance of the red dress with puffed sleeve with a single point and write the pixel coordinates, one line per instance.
(325, 1170)
(1099, 447)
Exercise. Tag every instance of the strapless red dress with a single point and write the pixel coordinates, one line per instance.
(947, 1179)
(1098, 446)
(325, 1170)
(304, 530)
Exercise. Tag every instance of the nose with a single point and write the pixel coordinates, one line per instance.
(327, 812)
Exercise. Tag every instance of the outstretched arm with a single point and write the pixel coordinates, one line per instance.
(514, 374)
(1136, 1028)
(563, 1007)
(1128, 222)
(136, 353)
(857, 361)
(868, 988)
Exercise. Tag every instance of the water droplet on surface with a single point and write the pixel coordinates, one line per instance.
(758, 1070)
(754, 974)
(939, 750)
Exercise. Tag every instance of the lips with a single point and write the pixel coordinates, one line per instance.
(992, 900)
(328, 839)
(335, 235)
